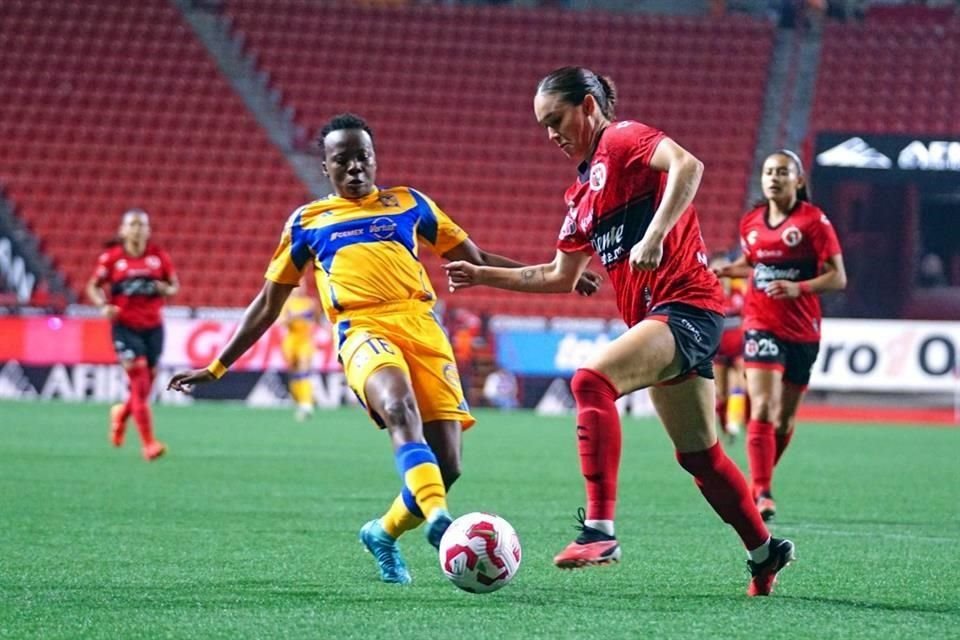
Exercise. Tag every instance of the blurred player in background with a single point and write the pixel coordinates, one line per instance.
(728, 363)
(631, 204)
(131, 280)
(365, 243)
(790, 254)
(300, 316)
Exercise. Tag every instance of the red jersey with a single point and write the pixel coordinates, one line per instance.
(793, 250)
(133, 284)
(733, 308)
(610, 207)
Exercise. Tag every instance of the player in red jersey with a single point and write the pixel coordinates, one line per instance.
(728, 363)
(137, 276)
(631, 205)
(790, 254)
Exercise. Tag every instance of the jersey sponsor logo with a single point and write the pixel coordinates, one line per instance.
(616, 233)
(689, 326)
(121, 264)
(336, 235)
(625, 124)
(142, 286)
(585, 222)
(569, 225)
(791, 236)
(752, 237)
(450, 374)
(764, 274)
(598, 176)
(769, 253)
(856, 153)
(383, 228)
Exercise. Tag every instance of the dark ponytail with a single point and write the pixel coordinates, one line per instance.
(574, 83)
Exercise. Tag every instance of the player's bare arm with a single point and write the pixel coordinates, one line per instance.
(258, 317)
(833, 278)
(739, 268)
(559, 276)
(684, 172)
(95, 294)
(168, 288)
(468, 251)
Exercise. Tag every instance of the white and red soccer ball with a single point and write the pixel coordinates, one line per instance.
(480, 552)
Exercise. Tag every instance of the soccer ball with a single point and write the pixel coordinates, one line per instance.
(480, 552)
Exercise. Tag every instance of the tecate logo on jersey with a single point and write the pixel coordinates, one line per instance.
(764, 274)
(609, 245)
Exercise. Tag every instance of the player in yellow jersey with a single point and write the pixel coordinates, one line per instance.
(365, 244)
(299, 316)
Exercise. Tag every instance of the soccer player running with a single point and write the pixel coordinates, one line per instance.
(728, 363)
(790, 255)
(631, 205)
(138, 276)
(300, 316)
(364, 242)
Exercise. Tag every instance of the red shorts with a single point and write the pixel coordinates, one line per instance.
(731, 347)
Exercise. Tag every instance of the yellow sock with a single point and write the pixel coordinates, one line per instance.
(398, 519)
(426, 484)
(301, 391)
(737, 408)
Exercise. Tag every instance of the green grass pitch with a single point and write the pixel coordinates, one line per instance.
(248, 529)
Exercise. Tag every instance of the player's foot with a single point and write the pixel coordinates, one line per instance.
(118, 426)
(303, 413)
(763, 575)
(437, 525)
(731, 430)
(153, 450)
(766, 506)
(592, 547)
(384, 549)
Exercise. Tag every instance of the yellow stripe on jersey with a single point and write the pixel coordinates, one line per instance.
(366, 251)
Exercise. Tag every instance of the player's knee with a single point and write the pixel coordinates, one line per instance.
(399, 412)
(449, 470)
(761, 408)
(588, 381)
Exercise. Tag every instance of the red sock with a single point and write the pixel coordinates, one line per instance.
(761, 450)
(725, 488)
(722, 413)
(598, 440)
(783, 441)
(139, 376)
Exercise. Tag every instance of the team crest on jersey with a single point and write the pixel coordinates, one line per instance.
(791, 236)
(450, 374)
(751, 348)
(389, 200)
(153, 262)
(598, 176)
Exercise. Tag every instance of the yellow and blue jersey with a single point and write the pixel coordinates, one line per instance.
(299, 314)
(366, 252)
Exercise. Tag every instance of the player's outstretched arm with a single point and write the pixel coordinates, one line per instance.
(261, 313)
(739, 268)
(467, 251)
(560, 276)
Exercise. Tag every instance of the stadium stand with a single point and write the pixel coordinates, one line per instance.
(914, 64)
(448, 91)
(106, 105)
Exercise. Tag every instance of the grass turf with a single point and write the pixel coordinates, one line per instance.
(249, 529)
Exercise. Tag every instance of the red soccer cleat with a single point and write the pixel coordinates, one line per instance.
(763, 575)
(153, 450)
(766, 506)
(592, 547)
(118, 426)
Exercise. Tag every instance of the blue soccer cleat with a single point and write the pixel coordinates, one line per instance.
(384, 548)
(437, 525)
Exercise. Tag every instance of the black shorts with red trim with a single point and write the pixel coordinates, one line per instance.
(131, 344)
(697, 334)
(764, 350)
